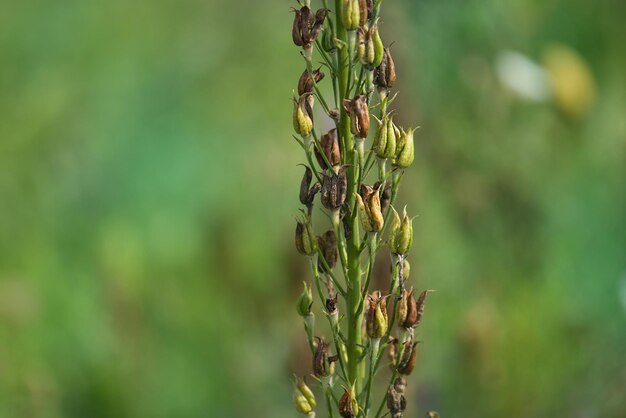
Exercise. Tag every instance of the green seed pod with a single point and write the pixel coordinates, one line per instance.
(385, 141)
(303, 397)
(379, 49)
(303, 115)
(368, 205)
(376, 315)
(348, 405)
(405, 152)
(350, 14)
(400, 233)
(305, 301)
(406, 269)
(305, 242)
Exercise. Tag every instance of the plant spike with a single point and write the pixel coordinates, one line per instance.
(361, 73)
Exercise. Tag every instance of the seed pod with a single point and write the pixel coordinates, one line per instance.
(385, 140)
(327, 244)
(376, 315)
(385, 196)
(303, 115)
(305, 243)
(350, 14)
(369, 46)
(421, 302)
(331, 148)
(334, 189)
(364, 12)
(370, 213)
(331, 309)
(307, 193)
(328, 41)
(303, 397)
(385, 73)
(323, 364)
(306, 27)
(405, 149)
(305, 301)
(348, 405)
(359, 115)
(305, 83)
(406, 269)
(400, 233)
(409, 357)
(432, 414)
(396, 402)
(406, 310)
(392, 353)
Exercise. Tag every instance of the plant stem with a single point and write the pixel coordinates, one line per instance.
(354, 318)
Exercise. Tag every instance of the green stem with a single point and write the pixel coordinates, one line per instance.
(354, 319)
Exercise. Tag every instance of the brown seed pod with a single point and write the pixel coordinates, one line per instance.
(348, 405)
(323, 364)
(396, 402)
(421, 301)
(409, 357)
(407, 310)
(331, 148)
(327, 244)
(334, 189)
(305, 83)
(359, 115)
(307, 27)
(385, 73)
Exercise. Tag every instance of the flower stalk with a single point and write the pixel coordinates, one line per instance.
(342, 47)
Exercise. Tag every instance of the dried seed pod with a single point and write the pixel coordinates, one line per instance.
(306, 82)
(405, 149)
(376, 315)
(400, 233)
(359, 115)
(305, 301)
(303, 397)
(303, 115)
(348, 405)
(385, 73)
(420, 304)
(331, 148)
(306, 27)
(385, 196)
(396, 402)
(307, 193)
(392, 352)
(327, 244)
(409, 357)
(331, 305)
(406, 310)
(305, 243)
(323, 364)
(334, 189)
(370, 212)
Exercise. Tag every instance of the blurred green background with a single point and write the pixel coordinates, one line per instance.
(148, 188)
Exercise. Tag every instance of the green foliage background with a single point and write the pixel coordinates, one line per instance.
(148, 191)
